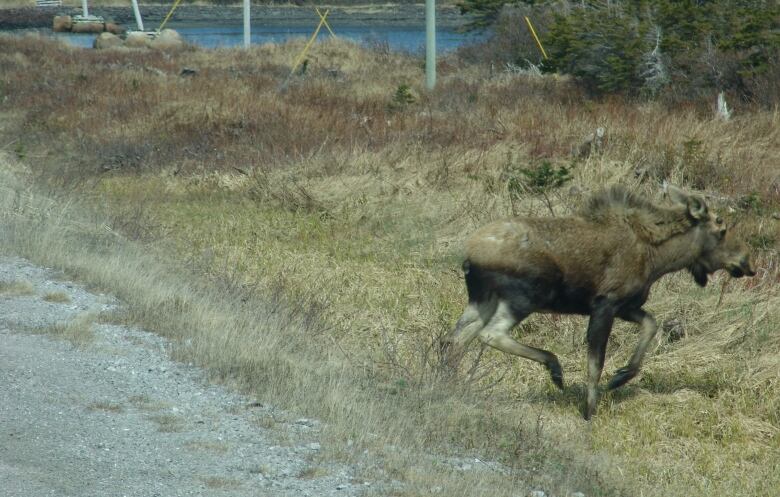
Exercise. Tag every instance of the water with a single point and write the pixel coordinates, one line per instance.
(399, 38)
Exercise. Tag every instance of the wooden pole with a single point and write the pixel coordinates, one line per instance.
(430, 44)
(85, 8)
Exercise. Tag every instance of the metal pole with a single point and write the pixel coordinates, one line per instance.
(247, 25)
(84, 8)
(137, 13)
(430, 44)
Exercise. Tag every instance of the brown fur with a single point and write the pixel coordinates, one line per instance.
(615, 245)
(600, 262)
(653, 224)
(732, 254)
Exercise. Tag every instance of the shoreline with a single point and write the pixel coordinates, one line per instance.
(447, 16)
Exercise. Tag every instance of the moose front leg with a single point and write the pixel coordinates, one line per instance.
(599, 328)
(649, 329)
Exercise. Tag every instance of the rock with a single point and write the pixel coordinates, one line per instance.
(62, 23)
(776, 215)
(578, 494)
(168, 39)
(341, 486)
(537, 493)
(188, 71)
(314, 446)
(114, 28)
(107, 40)
(674, 329)
(137, 39)
(87, 27)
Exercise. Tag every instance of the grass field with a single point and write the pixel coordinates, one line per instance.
(311, 230)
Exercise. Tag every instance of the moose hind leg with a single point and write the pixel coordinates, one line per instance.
(649, 329)
(496, 334)
(470, 323)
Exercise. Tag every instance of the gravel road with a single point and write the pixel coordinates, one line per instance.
(112, 415)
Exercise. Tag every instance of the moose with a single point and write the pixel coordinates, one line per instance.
(600, 263)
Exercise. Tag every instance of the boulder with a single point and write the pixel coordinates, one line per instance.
(107, 40)
(62, 23)
(114, 28)
(168, 39)
(87, 27)
(136, 39)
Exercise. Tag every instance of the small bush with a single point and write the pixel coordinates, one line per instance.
(403, 96)
(696, 46)
(675, 49)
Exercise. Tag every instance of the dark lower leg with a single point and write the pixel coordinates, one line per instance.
(649, 329)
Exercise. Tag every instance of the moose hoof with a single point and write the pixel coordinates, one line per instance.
(622, 376)
(556, 373)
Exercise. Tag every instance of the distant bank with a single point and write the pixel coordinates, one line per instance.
(262, 15)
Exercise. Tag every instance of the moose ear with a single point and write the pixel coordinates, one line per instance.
(697, 208)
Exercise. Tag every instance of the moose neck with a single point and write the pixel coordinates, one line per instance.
(676, 253)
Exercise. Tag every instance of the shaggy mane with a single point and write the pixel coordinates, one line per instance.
(652, 223)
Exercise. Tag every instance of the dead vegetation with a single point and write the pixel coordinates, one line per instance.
(325, 224)
(77, 331)
(16, 288)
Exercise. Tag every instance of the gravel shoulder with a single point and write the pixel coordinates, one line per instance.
(112, 415)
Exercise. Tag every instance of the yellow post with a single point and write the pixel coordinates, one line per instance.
(533, 33)
(175, 4)
(326, 22)
(309, 44)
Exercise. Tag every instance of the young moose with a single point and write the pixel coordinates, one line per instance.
(600, 263)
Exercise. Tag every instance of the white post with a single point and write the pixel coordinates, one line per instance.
(137, 13)
(247, 24)
(430, 44)
(84, 8)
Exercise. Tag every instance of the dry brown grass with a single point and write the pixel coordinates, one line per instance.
(77, 331)
(326, 220)
(57, 297)
(16, 288)
(168, 423)
(106, 406)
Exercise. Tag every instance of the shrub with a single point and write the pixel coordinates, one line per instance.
(679, 49)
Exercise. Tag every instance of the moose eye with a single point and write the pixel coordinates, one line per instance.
(719, 220)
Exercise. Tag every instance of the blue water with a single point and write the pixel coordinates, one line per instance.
(399, 38)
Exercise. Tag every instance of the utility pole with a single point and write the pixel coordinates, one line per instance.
(247, 25)
(430, 44)
(137, 13)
